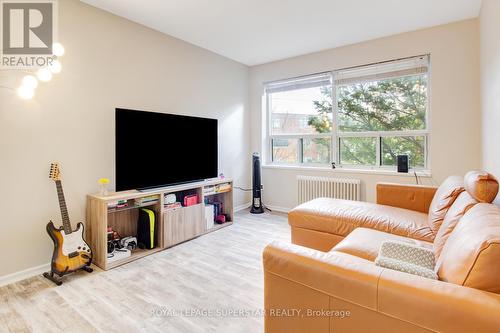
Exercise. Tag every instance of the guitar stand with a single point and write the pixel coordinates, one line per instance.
(52, 277)
(87, 269)
(57, 280)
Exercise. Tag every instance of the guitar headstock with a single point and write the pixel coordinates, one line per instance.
(55, 173)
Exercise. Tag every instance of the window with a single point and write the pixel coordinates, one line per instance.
(300, 132)
(375, 113)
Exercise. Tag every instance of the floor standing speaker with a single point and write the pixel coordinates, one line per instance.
(256, 186)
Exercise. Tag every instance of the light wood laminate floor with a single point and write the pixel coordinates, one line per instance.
(213, 283)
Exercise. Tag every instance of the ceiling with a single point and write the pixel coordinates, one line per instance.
(258, 31)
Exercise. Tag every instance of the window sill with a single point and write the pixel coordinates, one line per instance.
(420, 173)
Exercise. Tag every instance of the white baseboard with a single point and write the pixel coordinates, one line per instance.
(30, 272)
(242, 207)
(24, 274)
(271, 207)
(279, 209)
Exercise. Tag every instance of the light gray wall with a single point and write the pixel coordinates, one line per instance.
(490, 85)
(454, 102)
(110, 62)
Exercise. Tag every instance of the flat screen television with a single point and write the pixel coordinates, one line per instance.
(158, 149)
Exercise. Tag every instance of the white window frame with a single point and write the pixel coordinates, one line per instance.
(336, 135)
(378, 141)
(298, 137)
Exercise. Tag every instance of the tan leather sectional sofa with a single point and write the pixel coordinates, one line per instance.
(326, 281)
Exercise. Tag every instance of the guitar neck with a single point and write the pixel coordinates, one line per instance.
(64, 209)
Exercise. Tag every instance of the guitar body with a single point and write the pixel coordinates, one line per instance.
(71, 252)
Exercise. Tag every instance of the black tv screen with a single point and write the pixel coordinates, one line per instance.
(158, 149)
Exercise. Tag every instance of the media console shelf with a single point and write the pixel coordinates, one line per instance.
(173, 225)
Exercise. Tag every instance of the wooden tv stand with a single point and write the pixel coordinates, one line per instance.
(173, 226)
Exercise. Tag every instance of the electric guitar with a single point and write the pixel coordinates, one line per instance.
(71, 252)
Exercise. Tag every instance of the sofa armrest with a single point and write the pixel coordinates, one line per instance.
(413, 197)
(437, 305)
(431, 304)
(348, 277)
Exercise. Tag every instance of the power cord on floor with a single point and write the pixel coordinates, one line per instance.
(248, 190)
(243, 189)
(426, 175)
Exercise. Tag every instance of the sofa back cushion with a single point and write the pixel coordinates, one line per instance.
(461, 205)
(481, 185)
(443, 199)
(471, 255)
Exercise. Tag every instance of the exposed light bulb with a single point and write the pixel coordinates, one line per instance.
(58, 49)
(25, 92)
(55, 67)
(30, 81)
(44, 74)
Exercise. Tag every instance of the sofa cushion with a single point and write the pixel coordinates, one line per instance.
(471, 256)
(481, 185)
(341, 217)
(443, 199)
(365, 243)
(463, 203)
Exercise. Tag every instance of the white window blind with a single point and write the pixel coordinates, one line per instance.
(381, 71)
(303, 82)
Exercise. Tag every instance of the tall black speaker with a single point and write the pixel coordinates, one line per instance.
(256, 186)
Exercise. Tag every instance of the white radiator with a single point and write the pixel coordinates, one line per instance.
(310, 188)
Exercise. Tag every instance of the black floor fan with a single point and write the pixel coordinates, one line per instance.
(257, 207)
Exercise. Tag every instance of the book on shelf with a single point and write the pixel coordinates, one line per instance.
(146, 200)
(209, 216)
(221, 188)
(209, 190)
(214, 189)
(172, 206)
(117, 204)
(217, 209)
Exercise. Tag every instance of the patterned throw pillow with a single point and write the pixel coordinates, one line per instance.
(408, 258)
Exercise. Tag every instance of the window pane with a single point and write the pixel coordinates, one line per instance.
(317, 150)
(394, 104)
(285, 150)
(301, 111)
(358, 151)
(413, 146)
